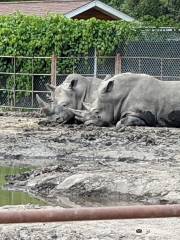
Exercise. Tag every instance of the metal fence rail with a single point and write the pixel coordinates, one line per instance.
(22, 77)
(82, 214)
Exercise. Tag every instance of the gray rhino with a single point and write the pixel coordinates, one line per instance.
(134, 100)
(75, 90)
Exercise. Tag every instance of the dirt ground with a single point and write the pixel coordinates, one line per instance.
(92, 166)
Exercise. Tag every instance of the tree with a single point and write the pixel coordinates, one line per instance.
(131, 7)
(173, 9)
(153, 8)
(141, 8)
(114, 3)
(150, 7)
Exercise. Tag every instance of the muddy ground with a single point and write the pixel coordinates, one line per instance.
(92, 166)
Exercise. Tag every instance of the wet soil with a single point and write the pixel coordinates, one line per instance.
(92, 166)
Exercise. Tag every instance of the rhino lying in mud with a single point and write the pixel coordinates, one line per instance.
(134, 100)
(74, 93)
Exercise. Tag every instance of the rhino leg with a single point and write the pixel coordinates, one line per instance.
(131, 121)
(174, 118)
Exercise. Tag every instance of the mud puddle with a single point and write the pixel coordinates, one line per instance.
(9, 197)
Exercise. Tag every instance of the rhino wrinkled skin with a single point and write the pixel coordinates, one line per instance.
(75, 90)
(135, 100)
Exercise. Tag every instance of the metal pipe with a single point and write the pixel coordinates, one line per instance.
(79, 214)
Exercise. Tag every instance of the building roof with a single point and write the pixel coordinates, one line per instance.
(102, 7)
(69, 8)
(40, 7)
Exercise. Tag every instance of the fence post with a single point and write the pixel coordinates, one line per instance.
(161, 68)
(32, 83)
(53, 69)
(118, 64)
(95, 63)
(139, 65)
(14, 84)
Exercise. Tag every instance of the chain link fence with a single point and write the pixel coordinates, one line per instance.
(21, 78)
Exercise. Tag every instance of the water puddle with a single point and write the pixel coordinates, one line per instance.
(8, 197)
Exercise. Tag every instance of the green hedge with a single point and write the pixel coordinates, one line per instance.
(22, 35)
(41, 36)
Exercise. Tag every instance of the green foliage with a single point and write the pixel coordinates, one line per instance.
(153, 8)
(163, 21)
(114, 3)
(173, 9)
(42, 36)
(140, 8)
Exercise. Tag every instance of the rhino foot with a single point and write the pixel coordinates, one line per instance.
(130, 121)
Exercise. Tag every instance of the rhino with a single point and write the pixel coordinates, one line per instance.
(76, 92)
(134, 100)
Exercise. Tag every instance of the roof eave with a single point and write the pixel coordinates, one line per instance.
(101, 7)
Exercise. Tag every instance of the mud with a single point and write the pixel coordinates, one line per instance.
(92, 166)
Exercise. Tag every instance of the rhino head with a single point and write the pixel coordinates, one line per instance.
(101, 112)
(68, 95)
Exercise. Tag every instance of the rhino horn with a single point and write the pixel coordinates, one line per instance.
(43, 105)
(41, 102)
(79, 114)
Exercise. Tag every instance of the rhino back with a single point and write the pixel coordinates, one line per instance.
(159, 98)
(169, 111)
(92, 90)
(144, 93)
(137, 93)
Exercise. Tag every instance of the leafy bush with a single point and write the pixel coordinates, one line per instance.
(42, 36)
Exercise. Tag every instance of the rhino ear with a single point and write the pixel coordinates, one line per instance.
(108, 76)
(73, 84)
(108, 87)
(50, 87)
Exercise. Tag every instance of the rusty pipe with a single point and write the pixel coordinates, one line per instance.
(79, 214)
